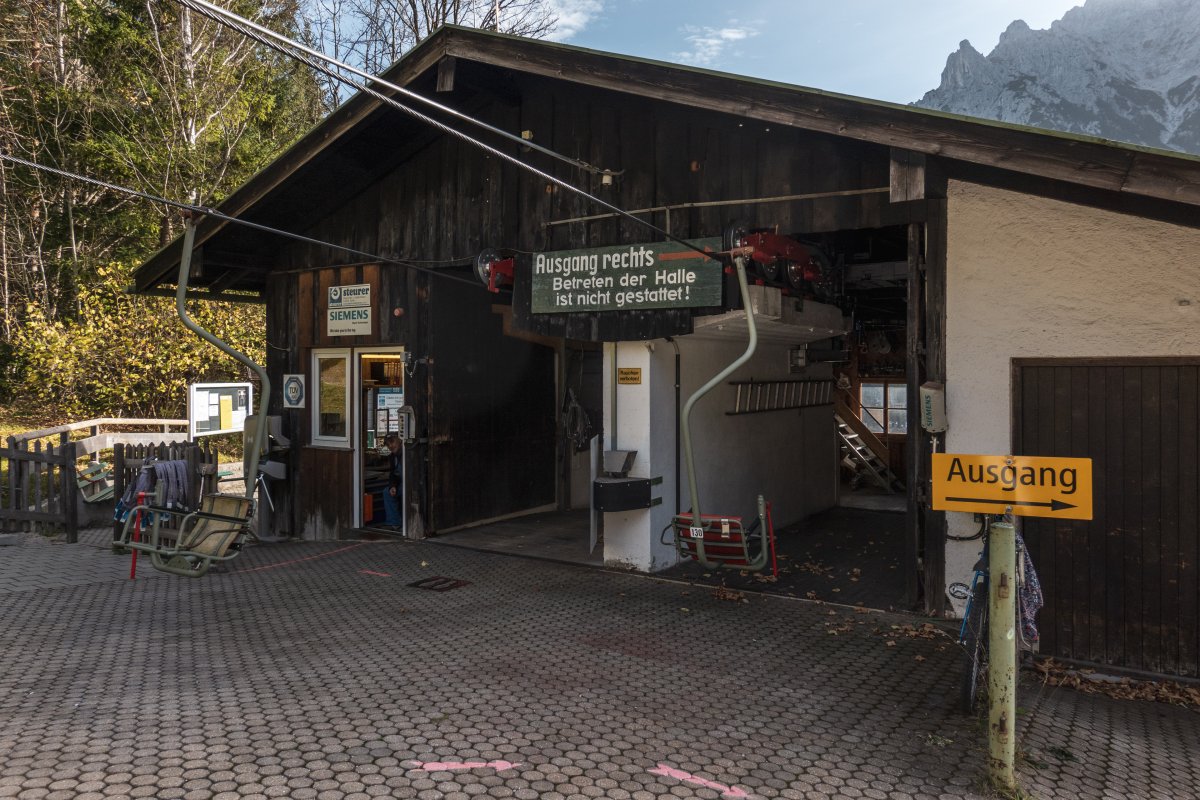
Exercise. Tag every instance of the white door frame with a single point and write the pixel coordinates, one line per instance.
(356, 443)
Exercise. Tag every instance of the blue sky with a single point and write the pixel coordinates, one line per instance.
(884, 49)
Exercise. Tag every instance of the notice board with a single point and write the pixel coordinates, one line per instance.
(215, 408)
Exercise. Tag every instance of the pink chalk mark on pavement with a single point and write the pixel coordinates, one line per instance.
(452, 766)
(687, 777)
(376, 574)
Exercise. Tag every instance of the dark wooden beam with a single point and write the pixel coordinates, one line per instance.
(240, 297)
(907, 172)
(914, 519)
(1148, 207)
(934, 338)
(445, 74)
(1090, 163)
(224, 281)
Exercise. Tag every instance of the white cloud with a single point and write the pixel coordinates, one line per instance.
(573, 17)
(707, 44)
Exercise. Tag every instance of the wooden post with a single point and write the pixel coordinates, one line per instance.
(915, 456)
(11, 497)
(935, 370)
(34, 475)
(69, 495)
(118, 484)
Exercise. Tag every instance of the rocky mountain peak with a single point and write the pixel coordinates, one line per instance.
(1121, 69)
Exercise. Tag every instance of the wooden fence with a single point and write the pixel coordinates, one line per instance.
(39, 486)
(38, 479)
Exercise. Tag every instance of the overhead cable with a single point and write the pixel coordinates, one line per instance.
(313, 59)
(212, 212)
(203, 6)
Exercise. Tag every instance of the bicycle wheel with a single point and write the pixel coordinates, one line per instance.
(975, 642)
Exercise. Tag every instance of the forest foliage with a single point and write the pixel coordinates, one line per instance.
(148, 95)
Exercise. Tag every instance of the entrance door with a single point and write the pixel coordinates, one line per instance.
(492, 414)
(1122, 588)
(380, 410)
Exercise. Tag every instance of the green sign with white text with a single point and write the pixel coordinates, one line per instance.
(627, 278)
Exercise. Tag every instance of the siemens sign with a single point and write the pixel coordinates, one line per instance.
(349, 310)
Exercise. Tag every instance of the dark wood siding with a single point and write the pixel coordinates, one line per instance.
(492, 414)
(1122, 588)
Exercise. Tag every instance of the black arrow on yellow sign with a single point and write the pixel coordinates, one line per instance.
(1053, 505)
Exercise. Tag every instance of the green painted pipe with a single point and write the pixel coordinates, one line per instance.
(260, 417)
(685, 423)
(1002, 654)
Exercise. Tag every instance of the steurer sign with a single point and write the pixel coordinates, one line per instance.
(349, 310)
(1033, 486)
(626, 277)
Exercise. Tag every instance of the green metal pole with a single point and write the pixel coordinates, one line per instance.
(1002, 655)
(685, 423)
(264, 394)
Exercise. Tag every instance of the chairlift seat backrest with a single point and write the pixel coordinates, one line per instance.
(726, 541)
(723, 541)
(219, 522)
(95, 483)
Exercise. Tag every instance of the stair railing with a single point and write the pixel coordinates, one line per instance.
(851, 417)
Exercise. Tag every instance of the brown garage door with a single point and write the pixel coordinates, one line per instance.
(1121, 589)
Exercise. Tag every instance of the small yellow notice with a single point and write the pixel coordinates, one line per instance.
(1032, 486)
(630, 376)
(226, 412)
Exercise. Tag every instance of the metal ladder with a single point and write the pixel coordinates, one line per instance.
(854, 449)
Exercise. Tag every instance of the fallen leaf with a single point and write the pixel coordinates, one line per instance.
(1055, 674)
(890, 643)
(919, 658)
(725, 593)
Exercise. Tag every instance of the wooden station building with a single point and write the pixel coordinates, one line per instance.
(1049, 281)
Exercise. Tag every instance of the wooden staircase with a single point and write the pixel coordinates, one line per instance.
(864, 449)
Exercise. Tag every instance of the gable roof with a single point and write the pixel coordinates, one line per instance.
(1084, 160)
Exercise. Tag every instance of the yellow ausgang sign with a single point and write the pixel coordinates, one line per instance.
(1031, 485)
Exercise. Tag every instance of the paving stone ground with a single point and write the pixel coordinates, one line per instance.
(314, 671)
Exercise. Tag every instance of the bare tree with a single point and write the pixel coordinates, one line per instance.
(373, 34)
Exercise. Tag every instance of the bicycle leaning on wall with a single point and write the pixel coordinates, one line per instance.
(973, 635)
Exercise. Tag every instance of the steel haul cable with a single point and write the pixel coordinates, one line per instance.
(212, 212)
(305, 55)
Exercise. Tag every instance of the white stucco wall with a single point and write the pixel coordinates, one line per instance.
(788, 456)
(1030, 277)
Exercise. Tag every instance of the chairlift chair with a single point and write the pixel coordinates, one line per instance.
(721, 541)
(214, 532)
(717, 540)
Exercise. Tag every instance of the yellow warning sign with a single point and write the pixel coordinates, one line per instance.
(1032, 486)
(631, 376)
